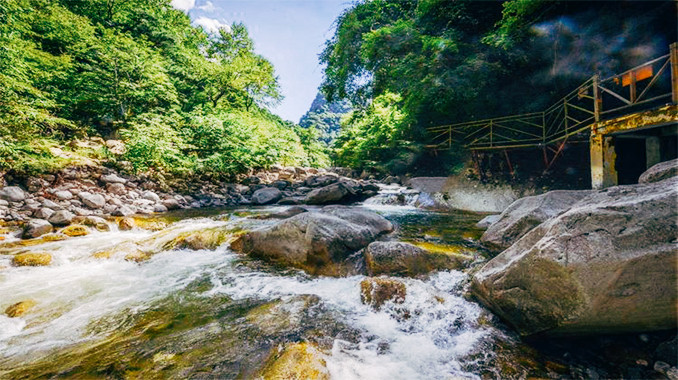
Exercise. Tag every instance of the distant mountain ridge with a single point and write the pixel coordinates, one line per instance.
(326, 117)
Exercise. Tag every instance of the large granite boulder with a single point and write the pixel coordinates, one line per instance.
(344, 191)
(660, 171)
(526, 213)
(36, 228)
(315, 241)
(12, 194)
(606, 265)
(405, 259)
(266, 196)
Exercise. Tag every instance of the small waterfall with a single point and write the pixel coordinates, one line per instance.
(394, 195)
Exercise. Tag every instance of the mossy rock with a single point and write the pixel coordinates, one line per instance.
(20, 308)
(407, 259)
(32, 259)
(12, 247)
(126, 224)
(151, 224)
(377, 291)
(74, 230)
(296, 361)
(210, 238)
(130, 251)
(137, 256)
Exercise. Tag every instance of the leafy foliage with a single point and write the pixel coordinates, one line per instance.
(325, 117)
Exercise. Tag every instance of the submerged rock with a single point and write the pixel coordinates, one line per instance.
(126, 224)
(526, 213)
(74, 230)
(20, 308)
(313, 240)
(32, 259)
(36, 228)
(606, 265)
(296, 361)
(376, 292)
(660, 171)
(283, 316)
(210, 238)
(405, 259)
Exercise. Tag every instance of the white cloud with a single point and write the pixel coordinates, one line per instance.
(208, 7)
(183, 5)
(211, 25)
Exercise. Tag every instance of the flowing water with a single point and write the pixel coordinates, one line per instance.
(217, 314)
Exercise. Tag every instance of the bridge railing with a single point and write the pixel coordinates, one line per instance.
(649, 84)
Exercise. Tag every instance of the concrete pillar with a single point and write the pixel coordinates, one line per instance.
(652, 151)
(603, 156)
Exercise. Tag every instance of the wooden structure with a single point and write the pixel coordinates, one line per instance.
(599, 111)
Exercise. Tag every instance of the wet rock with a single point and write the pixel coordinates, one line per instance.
(320, 181)
(36, 227)
(113, 178)
(405, 259)
(32, 259)
(210, 238)
(12, 194)
(377, 291)
(606, 265)
(123, 211)
(61, 218)
(94, 201)
(281, 184)
(97, 222)
(266, 195)
(51, 205)
(333, 193)
(312, 240)
(126, 224)
(137, 256)
(283, 316)
(296, 361)
(291, 200)
(74, 230)
(43, 213)
(159, 208)
(63, 195)
(660, 172)
(666, 369)
(526, 213)
(488, 221)
(668, 351)
(171, 204)
(20, 308)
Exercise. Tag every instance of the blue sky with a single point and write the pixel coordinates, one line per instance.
(289, 33)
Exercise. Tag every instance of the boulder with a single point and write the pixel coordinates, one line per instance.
(320, 181)
(113, 178)
(116, 147)
(97, 222)
(12, 194)
(313, 240)
(123, 211)
(32, 259)
(171, 203)
(338, 192)
(74, 230)
(50, 204)
(660, 171)
(266, 195)
(20, 308)
(376, 292)
(606, 265)
(488, 221)
(210, 239)
(126, 224)
(116, 188)
(295, 361)
(63, 195)
(405, 259)
(36, 227)
(526, 213)
(43, 213)
(159, 208)
(151, 196)
(93, 201)
(61, 218)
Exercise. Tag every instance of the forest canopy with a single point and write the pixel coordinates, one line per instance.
(183, 100)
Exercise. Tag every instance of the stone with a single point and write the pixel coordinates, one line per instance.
(296, 361)
(314, 241)
(266, 195)
(137, 256)
(660, 172)
(151, 196)
(126, 224)
(63, 195)
(208, 239)
(526, 213)
(116, 147)
(606, 265)
(171, 203)
(32, 259)
(113, 178)
(666, 369)
(405, 259)
(36, 227)
(61, 218)
(43, 213)
(288, 213)
(488, 221)
(159, 208)
(281, 184)
(116, 188)
(20, 308)
(376, 292)
(50, 204)
(74, 230)
(320, 181)
(12, 194)
(97, 222)
(93, 201)
(123, 211)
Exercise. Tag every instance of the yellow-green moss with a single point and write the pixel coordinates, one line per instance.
(20, 308)
(32, 259)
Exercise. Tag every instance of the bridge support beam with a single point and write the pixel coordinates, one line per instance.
(603, 156)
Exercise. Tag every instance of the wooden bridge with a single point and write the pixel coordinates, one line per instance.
(640, 104)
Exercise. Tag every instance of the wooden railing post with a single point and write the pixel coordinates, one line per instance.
(449, 139)
(674, 72)
(491, 137)
(543, 127)
(597, 101)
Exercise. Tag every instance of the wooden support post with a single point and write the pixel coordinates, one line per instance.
(632, 87)
(508, 161)
(674, 72)
(491, 137)
(597, 100)
(543, 127)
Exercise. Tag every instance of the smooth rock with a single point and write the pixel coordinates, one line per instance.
(526, 213)
(159, 208)
(123, 211)
(126, 224)
(20, 308)
(606, 265)
(97, 222)
(93, 201)
(12, 194)
(36, 227)
(43, 213)
(74, 230)
(266, 195)
(113, 178)
(116, 188)
(405, 259)
(488, 221)
(296, 361)
(63, 195)
(171, 203)
(151, 196)
(61, 218)
(660, 172)
(32, 259)
(50, 204)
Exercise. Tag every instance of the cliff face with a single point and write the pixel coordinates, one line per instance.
(326, 117)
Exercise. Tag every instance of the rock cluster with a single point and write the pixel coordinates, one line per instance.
(44, 202)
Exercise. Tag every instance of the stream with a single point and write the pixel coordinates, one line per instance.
(217, 314)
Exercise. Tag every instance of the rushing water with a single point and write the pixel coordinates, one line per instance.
(206, 314)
